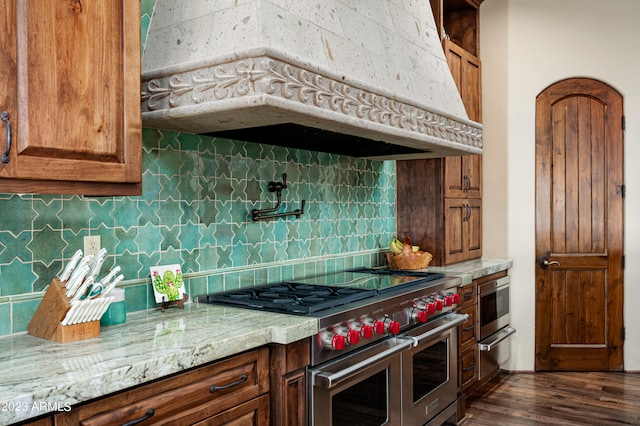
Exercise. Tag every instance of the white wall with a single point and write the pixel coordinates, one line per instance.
(526, 45)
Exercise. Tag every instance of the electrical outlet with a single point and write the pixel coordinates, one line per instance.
(91, 245)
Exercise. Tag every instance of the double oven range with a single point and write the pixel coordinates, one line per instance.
(386, 350)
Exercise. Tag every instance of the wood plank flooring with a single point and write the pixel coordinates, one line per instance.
(567, 399)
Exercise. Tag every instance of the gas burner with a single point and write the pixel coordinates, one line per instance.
(285, 297)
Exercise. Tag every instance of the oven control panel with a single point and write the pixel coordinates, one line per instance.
(361, 328)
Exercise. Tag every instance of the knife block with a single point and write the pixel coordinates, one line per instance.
(47, 320)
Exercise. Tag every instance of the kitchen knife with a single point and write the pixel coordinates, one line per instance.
(86, 313)
(76, 279)
(106, 301)
(97, 263)
(70, 314)
(110, 275)
(112, 285)
(79, 312)
(66, 273)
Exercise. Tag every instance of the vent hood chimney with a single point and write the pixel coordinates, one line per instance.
(366, 78)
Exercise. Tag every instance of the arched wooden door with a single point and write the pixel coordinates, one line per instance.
(579, 227)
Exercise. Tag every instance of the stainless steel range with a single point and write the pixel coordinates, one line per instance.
(386, 350)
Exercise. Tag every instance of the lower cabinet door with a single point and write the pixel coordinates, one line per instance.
(469, 367)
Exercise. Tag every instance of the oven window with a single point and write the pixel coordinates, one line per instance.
(494, 306)
(364, 403)
(430, 369)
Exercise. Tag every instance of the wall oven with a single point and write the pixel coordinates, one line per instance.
(494, 324)
(410, 379)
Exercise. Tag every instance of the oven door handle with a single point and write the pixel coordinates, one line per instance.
(503, 334)
(327, 380)
(457, 320)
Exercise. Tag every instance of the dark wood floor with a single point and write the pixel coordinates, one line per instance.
(572, 399)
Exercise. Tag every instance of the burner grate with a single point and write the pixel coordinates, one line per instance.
(289, 297)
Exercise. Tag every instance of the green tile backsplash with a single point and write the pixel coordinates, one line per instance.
(198, 193)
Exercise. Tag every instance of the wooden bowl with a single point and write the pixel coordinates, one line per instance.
(418, 260)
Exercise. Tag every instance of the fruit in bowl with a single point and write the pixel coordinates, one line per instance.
(407, 256)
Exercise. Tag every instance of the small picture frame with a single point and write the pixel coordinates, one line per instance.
(168, 283)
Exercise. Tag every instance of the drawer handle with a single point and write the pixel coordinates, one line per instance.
(5, 117)
(471, 327)
(469, 368)
(150, 413)
(242, 379)
(468, 296)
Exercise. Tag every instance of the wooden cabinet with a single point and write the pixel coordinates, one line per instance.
(448, 228)
(43, 421)
(465, 69)
(70, 85)
(439, 201)
(468, 336)
(467, 344)
(289, 383)
(462, 229)
(231, 391)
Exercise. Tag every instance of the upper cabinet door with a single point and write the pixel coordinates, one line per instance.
(70, 75)
(463, 176)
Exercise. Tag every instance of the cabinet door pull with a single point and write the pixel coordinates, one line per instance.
(5, 117)
(467, 214)
(468, 296)
(242, 379)
(149, 414)
(471, 327)
(469, 368)
(467, 183)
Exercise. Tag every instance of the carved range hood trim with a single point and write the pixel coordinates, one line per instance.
(261, 88)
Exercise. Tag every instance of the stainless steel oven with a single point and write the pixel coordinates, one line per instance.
(410, 379)
(385, 352)
(429, 372)
(494, 319)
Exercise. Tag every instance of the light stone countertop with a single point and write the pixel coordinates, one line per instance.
(40, 376)
(473, 269)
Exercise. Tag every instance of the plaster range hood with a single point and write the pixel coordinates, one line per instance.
(366, 78)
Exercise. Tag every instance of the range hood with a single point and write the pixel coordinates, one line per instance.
(366, 78)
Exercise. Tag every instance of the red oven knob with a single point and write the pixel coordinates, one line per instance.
(420, 315)
(379, 327)
(438, 304)
(456, 298)
(353, 337)
(331, 341)
(366, 331)
(448, 300)
(337, 342)
(394, 327)
(431, 307)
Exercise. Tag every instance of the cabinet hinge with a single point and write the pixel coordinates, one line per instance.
(624, 123)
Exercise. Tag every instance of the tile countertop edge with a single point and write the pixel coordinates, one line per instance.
(473, 269)
(149, 346)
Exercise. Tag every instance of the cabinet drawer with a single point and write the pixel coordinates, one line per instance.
(469, 367)
(467, 294)
(251, 413)
(468, 328)
(185, 398)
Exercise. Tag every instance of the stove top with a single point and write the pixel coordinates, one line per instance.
(289, 297)
(310, 296)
